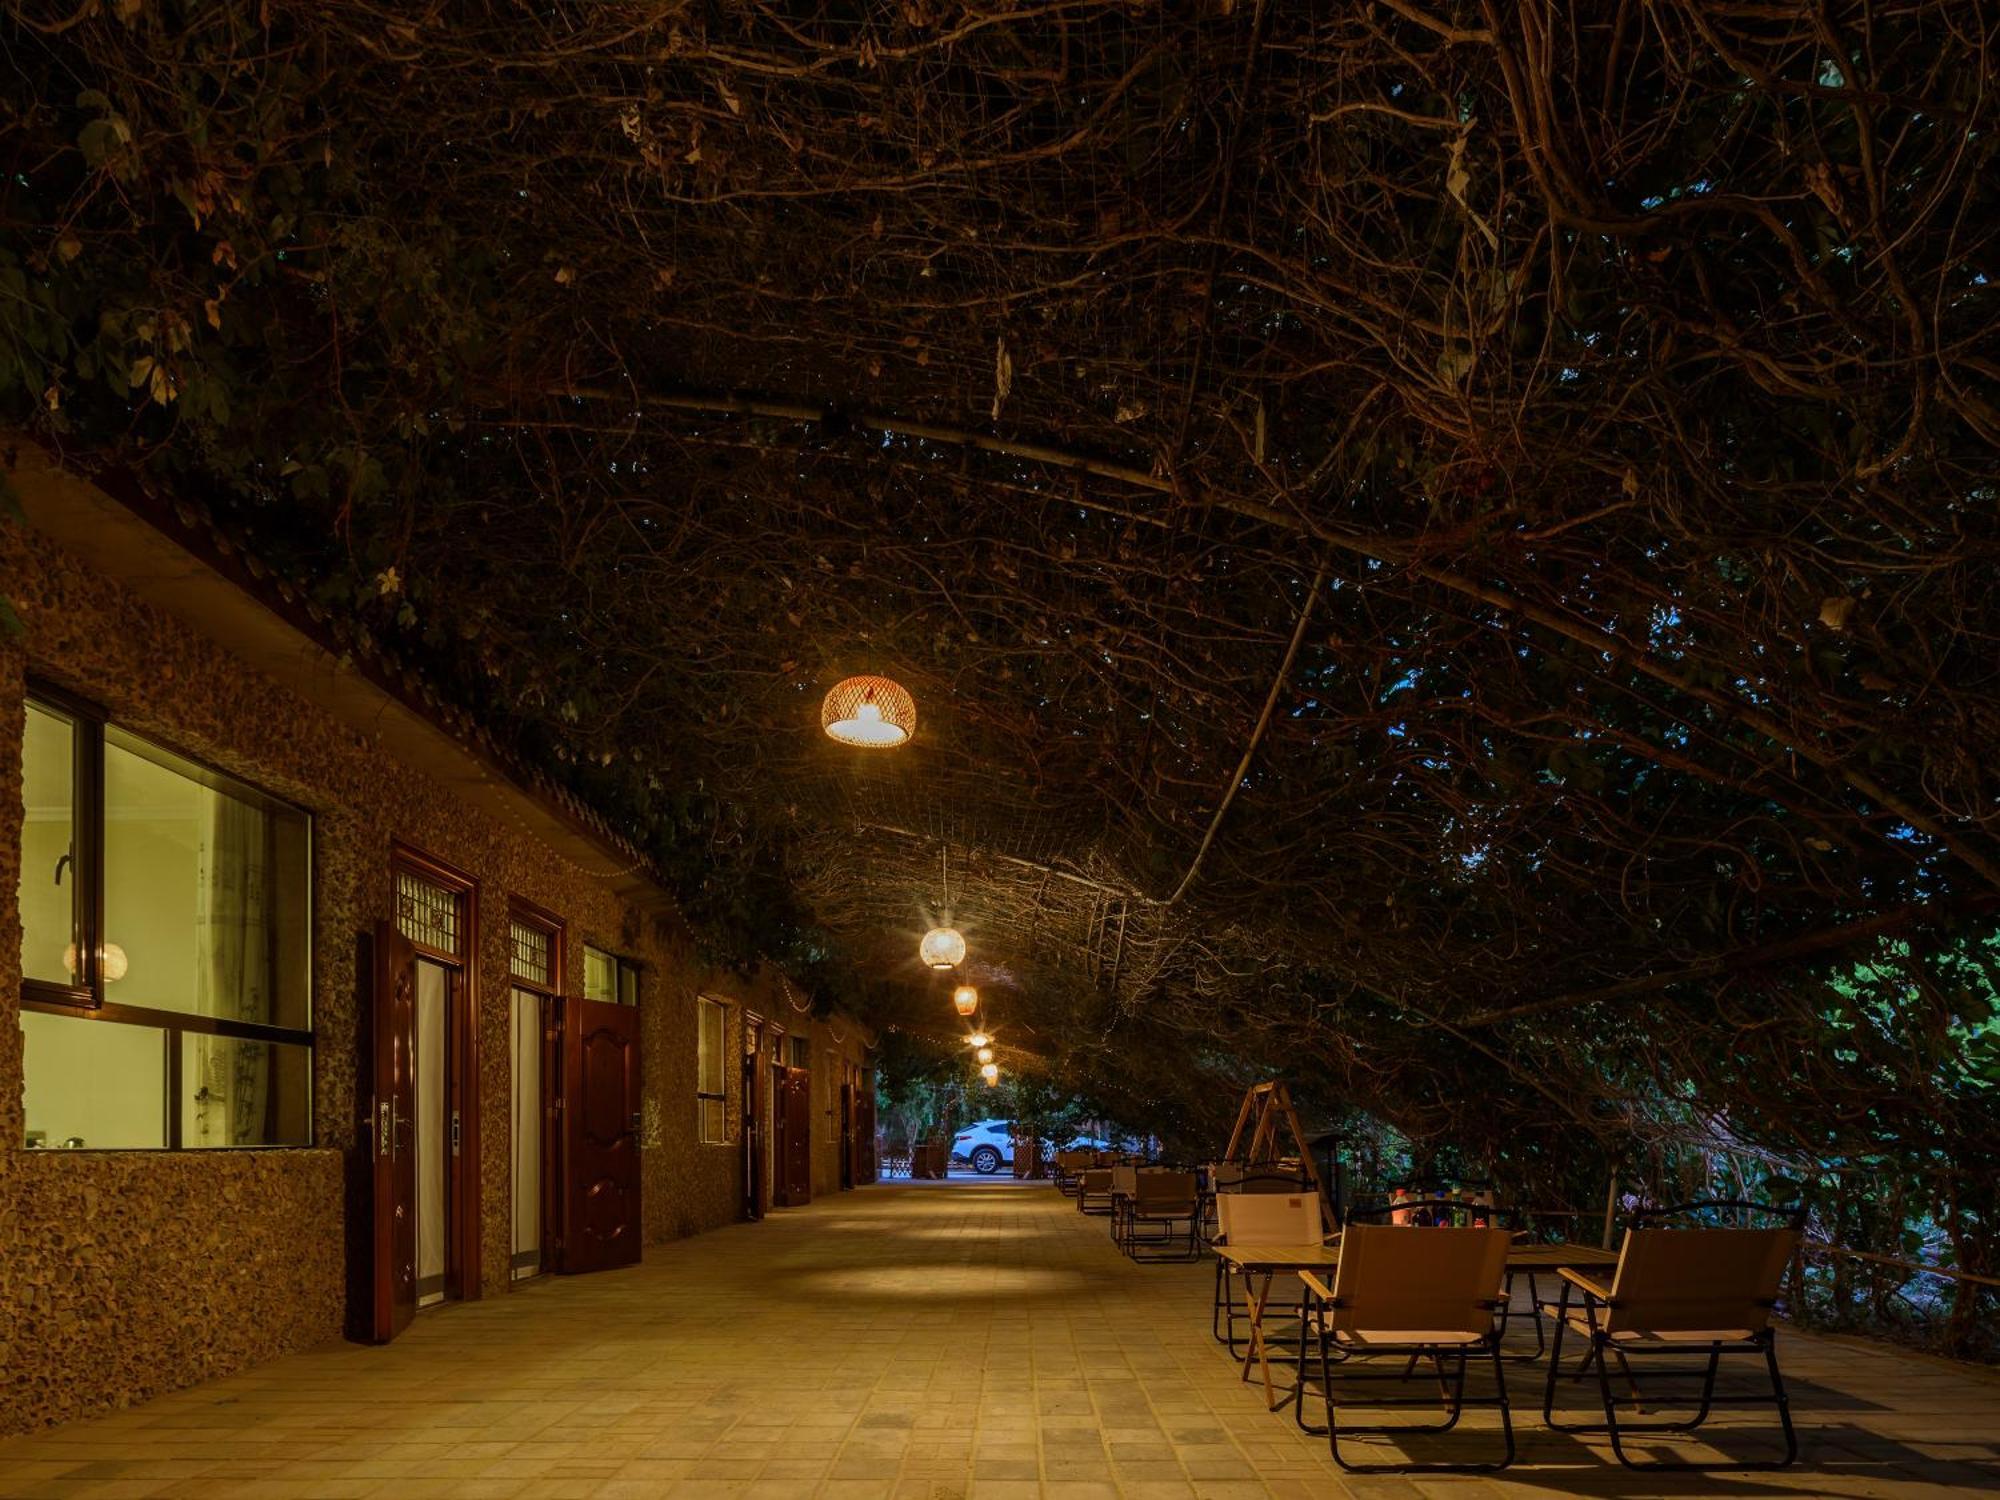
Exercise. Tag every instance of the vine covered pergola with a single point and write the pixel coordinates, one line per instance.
(1443, 549)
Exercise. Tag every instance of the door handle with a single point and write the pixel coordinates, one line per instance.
(636, 1117)
(385, 1137)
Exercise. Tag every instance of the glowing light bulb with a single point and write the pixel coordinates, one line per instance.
(966, 998)
(991, 1073)
(978, 1039)
(986, 1054)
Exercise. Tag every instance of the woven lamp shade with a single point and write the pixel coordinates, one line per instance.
(942, 948)
(872, 712)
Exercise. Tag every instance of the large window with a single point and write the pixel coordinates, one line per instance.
(711, 1072)
(609, 978)
(165, 914)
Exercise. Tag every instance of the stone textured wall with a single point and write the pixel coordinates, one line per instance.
(132, 1273)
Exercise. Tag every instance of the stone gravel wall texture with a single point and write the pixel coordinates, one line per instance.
(123, 1274)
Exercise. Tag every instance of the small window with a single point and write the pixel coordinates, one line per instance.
(166, 917)
(609, 978)
(531, 953)
(711, 1072)
(429, 914)
(802, 1052)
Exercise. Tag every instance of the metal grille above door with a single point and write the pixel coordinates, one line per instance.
(429, 915)
(531, 953)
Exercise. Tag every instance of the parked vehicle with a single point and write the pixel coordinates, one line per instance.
(988, 1145)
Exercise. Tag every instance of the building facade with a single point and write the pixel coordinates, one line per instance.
(212, 824)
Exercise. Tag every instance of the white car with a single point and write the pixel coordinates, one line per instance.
(988, 1145)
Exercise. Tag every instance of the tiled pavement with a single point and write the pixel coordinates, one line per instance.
(909, 1342)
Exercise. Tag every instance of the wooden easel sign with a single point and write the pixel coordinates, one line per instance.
(1266, 1107)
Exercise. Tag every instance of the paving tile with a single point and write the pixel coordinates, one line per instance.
(908, 1342)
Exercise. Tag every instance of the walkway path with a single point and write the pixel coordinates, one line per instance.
(909, 1342)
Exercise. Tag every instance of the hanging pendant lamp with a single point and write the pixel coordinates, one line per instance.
(871, 712)
(942, 948)
(966, 998)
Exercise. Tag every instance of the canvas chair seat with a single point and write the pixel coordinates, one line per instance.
(1362, 1338)
(1581, 1324)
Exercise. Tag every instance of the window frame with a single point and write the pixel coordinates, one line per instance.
(546, 922)
(86, 1001)
(620, 967)
(702, 1096)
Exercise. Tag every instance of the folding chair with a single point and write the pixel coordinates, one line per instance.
(1700, 1292)
(1093, 1191)
(1404, 1291)
(1123, 1177)
(1069, 1166)
(1258, 1219)
(1160, 1200)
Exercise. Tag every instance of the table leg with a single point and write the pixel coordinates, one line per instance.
(1258, 1347)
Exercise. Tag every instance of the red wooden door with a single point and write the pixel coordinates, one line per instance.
(753, 1126)
(798, 1137)
(868, 1166)
(555, 1154)
(392, 1118)
(601, 1135)
(847, 1150)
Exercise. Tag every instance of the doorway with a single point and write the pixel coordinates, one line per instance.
(435, 918)
(752, 1100)
(534, 1040)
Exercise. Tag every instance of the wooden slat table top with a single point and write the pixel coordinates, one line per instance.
(1313, 1257)
(1279, 1257)
(1556, 1257)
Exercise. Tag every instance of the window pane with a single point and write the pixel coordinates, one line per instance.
(205, 892)
(530, 952)
(628, 983)
(48, 833)
(710, 1068)
(712, 1124)
(238, 1093)
(428, 914)
(94, 1083)
(600, 976)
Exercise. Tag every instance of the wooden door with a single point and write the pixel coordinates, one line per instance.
(753, 1121)
(601, 1135)
(847, 1171)
(871, 1155)
(798, 1137)
(392, 1122)
(781, 1196)
(555, 1153)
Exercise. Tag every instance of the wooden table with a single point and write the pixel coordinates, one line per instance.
(1268, 1261)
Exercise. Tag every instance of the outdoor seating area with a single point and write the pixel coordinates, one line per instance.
(1427, 1301)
